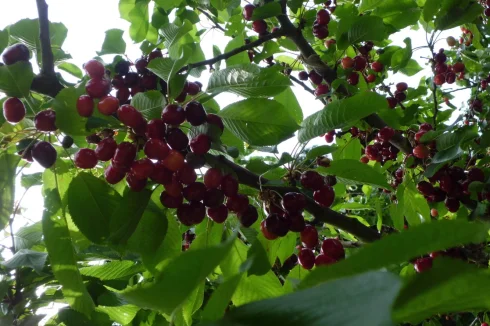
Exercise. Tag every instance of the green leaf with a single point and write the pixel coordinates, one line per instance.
(401, 247)
(398, 13)
(149, 103)
(326, 304)
(340, 114)
(220, 299)
(113, 42)
(414, 205)
(91, 202)
(363, 28)
(431, 7)
(268, 10)
(240, 58)
(28, 236)
(320, 151)
(71, 69)
(348, 149)
(433, 291)
(448, 154)
(4, 39)
(67, 118)
(16, 79)
(172, 34)
(250, 120)
(27, 258)
(354, 172)
(457, 16)
(248, 81)
(60, 247)
(411, 68)
(179, 278)
(8, 165)
(138, 16)
(120, 314)
(290, 102)
(401, 57)
(112, 270)
(368, 4)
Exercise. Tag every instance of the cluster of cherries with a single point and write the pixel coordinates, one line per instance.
(399, 96)
(259, 26)
(331, 250)
(321, 87)
(382, 150)
(444, 73)
(320, 25)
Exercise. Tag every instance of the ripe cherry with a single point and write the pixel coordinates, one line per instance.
(213, 178)
(323, 259)
(452, 204)
(173, 114)
(321, 89)
(174, 160)
(333, 248)
(329, 137)
(309, 236)
(85, 158)
(371, 78)
(186, 174)
(229, 185)
(156, 149)
(218, 214)
(425, 126)
(177, 139)
(347, 63)
(353, 78)
(297, 221)
(248, 12)
(85, 106)
(124, 155)
(15, 53)
(324, 196)
(237, 203)
(123, 94)
(200, 144)
(440, 57)
(213, 198)
(421, 151)
(423, 264)
(105, 149)
(322, 17)
(360, 63)
(195, 113)
(259, 26)
(130, 116)
(45, 121)
(135, 183)
(248, 216)
(293, 202)
(320, 31)
(94, 68)
(312, 180)
(215, 120)
(108, 105)
(306, 258)
(171, 201)
(392, 102)
(303, 75)
(44, 154)
(400, 97)
(161, 174)
(14, 110)
(98, 87)
(277, 224)
(174, 187)
(425, 188)
(401, 87)
(156, 129)
(268, 235)
(67, 142)
(113, 175)
(315, 77)
(377, 66)
(195, 191)
(193, 88)
(475, 174)
(386, 133)
(142, 169)
(439, 79)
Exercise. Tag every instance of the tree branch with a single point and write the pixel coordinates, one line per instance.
(216, 25)
(320, 213)
(47, 55)
(236, 51)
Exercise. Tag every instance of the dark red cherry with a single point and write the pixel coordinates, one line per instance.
(186, 174)
(174, 188)
(248, 216)
(277, 224)
(293, 202)
(200, 144)
(306, 258)
(85, 158)
(44, 154)
(237, 203)
(124, 155)
(174, 160)
(123, 94)
(425, 188)
(14, 110)
(94, 68)
(333, 248)
(142, 169)
(135, 183)
(195, 113)
(15, 53)
(213, 178)
(312, 180)
(113, 175)
(156, 129)
(323, 259)
(85, 106)
(108, 105)
(377, 66)
(218, 214)
(156, 149)
(195, 191)
(475, 174)
(106, 149)
(130, 116)
(309, 237)
(215, 120)
(303, 75)
(98, 87)
(229, 185)
(248, 11)
(193, 88)
(268, 235)
(140, 65)
(423, 264)
(259, 26)
(177, 139)
(197, 212)
(322, 17)
(386, 133)
(324, 196)
(315, 77)
(161, 174)
(360, 63)
(45, 121)
(213, 198)
(170, 201)
(173, 114)
(452, 204)
(297, 221)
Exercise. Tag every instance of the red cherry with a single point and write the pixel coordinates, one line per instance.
(360, 63)
(329, 138)
(364, 160)
(421, 151)
(108, 105)
(401, 87)
(485, 324)
(156, 149)
(195, 191)
(174, 160)
(98, 87)
(193, 88)
(425, 126)
(333, 248)
(306, 258)
(14, 110)
(124, 155)
(458, 67)
(161, 174)
(439, 79)
(85, 158)
(213, 198)
(85, 106)
(248, 217)
(248, 12)
(44, 154)
(322, 17)
(309, 237)
(15, 53)
(237, 203)
(386, 133)
(105, 149)
(113, 175)
(434, 212)
(347, 62)
(157, 53)
(312, 180)
(321, 89)
(195, 113)
(323, 259)
(174, 187)
(452, 204)
(200, 144)
(486, 12)
(130, 116)
(440, 57)
(324, 196)
(259, 26)
(303, 75)
(213, 178)
(140, 65)
(277, 224)
(173, 114)
(218, 214)
(423, 264)
(371, 78)
(215, 120)
(134, 183)
(425, 188)
(353, 78)
(45, 121)
(297, 221)
(229, 185)
(392, 102)
(187, 174)
(320, 31)
(123, 94)
(475, 174)
(268, 235)
(315, 77)
(377, 66)
(156, 129)
(293, 202)
(170, 201)
(177, 139)
(142, 169)
(94, 68)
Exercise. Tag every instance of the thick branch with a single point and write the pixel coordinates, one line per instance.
(47, 68)
(322, 214)
(236, 51)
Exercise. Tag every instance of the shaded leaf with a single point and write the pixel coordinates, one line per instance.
(8, 165)
(113, 42)
(27, 258)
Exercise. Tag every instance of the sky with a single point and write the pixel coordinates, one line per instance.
(87, 22)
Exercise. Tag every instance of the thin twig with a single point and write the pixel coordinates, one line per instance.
(47, 55)
(216, 25)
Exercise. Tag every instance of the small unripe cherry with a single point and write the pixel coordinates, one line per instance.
(434, 212)
(451, 41)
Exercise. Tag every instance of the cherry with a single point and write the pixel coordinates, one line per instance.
(156, 149)
(192, 88)
(347, 62)
(248, 12)
(218, 214)
(401, 87)
(377, 66)
(425, 126)
(371, 78)
(306, 258)
(174, 187)
(303, 75)
(44, 154)
(309, 236)
(354, 131)
(321, 90)
(419, 134)
(229, 185)
(85, 158)
(425, 188)
(173, 114)
(117, 82)
(434, 212)
(259, 26)
(130, 116)
(123, 94)
(400, 97)
(98, 87)
(174, 160)
(142, 169)
(140, 65)
(122, 67)
(200, 144)
(440, 68)
(475, 174)
(392, 102)
(14, 110)
(323, 259)
(85, 106)
(293, 202)
(439, 79)
(315, 77)
(170, 201)
(195, 161)
(124, 155)
(324, 196)
(440, 57)
(353, 78)
(195, 113)
(268, 235)
(333, 248)
(213, 178)
(385, 134)
(156, 129)
(135, 183)
(322, 17)
(177, 139)
(329, 137)
(248, 216)
(106, 149)
(113, 175)
(157, 53)
(486, 12)
(131, 79)
(423, 264)
(450, 79)
(297, 221)
(311, 180)
(452, 204)
(451, 41)
(364, 160)
(330, 180)
(186, 174)
(15, 53)
(67, 142)
(161, 174)
(277, 224)
(360, 63)
(93, 139)
(213, 198)
(446, 183)
(108, 105)
(195, 191)
(399, 174)
(215, 120)
(320, 31)
(45, 120)
(94, 68)
(421, 151)
(237, 203)
(329, 43)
